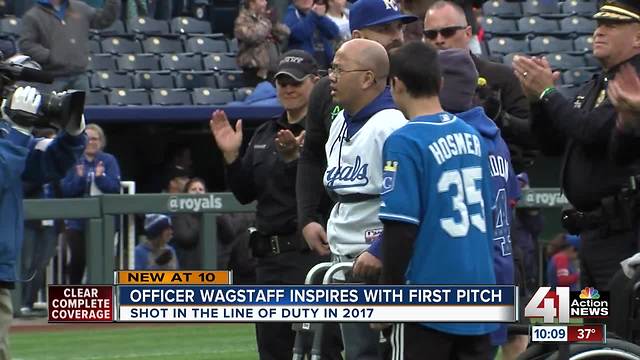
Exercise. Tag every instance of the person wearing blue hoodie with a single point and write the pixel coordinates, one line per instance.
(311, 30)
(95, 173)
(23, 158)
(358, 79)
(460, 78)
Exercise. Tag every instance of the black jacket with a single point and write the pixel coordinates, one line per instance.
(263, 176)
(625, 147)
(584, 129)
(313, 202)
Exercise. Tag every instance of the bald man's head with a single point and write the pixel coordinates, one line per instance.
(367, 54)
(359, 73)
(446, 27)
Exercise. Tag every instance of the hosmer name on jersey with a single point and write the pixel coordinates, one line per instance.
(448, 146)
(499, 166)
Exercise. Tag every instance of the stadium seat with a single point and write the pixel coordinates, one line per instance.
(145, 25)
(508, 58)
(153, 80)
(94, 47)
(576, 76)
(502, 8)
(540, 7)
(219, 61)
(499, 26)
(162, 44)
(202, 44)
(128, 97)
(117, 28)
(101, 62)
(578, 25)
(506, 45)
(565, 61)
(241, 94)
(538, 25)
(95, 97)
(231, 79)
(548, 44)
(209, 96)
(10, 26)
(196, 79)
(583, 43)
(189, 25)
(110, 79)
(120, 45)
(130, 62)
(182, 61)
(233, 45)
(170, 97)
(584, 8)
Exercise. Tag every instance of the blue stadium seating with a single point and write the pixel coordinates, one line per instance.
(204, 44)
(196, 79)
(102, 62)
(145, 25)
(162, 44)
(181, 61)
(120, 45)
(170, 97)
(220, 61)
(549, 44)
(110, 79)
(128, 97)
(189, 25)
(209, 96)
(153, 80)
(502, 8)
(131, 62)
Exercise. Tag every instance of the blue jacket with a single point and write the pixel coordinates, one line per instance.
(76, 186)
(303, 30)
(36, 160)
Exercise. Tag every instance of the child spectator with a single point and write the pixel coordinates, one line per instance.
(561, 270)
(155, 253)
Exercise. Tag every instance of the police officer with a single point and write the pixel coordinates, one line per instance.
(266, 173)
(594, 185)
(446, 27)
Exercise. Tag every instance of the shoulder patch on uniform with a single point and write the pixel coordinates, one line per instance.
(389, 176)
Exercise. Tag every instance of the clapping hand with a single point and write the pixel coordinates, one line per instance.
(228, 139)
(624, 93)
(288, 145)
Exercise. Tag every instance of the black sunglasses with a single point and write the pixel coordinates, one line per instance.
(446, 32)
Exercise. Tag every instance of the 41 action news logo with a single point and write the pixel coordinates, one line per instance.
(562, 304)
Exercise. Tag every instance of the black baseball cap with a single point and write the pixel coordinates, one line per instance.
(297, 64)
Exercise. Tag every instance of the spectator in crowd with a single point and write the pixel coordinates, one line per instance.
(159, 9)
(460, 78)
(527, 227)
(40, 237)
(624, 92)
(446, 27)
(186, 230)
(427, 238)
(418, 8)
(176, 179)
(55, 34)
(234, 252)
(368, 19)
(311, 30)
(259, 41)
(25, 159)
(96, 173)
(338, 12)
(358, 78)
(266, 173)
(155, 253)
(561, 269)
(583, 129)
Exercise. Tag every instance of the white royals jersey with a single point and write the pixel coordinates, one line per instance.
(354, 166)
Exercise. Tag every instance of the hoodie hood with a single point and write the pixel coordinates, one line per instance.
(480, 121)
(357, 121)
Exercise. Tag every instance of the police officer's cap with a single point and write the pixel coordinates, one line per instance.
(619, 10)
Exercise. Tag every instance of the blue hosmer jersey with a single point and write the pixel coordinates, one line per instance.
(436, 176)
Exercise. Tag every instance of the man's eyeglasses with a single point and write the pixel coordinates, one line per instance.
(336, 71)
(446, 32)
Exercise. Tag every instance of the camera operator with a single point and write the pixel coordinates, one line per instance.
(604, 215)
(23, 158)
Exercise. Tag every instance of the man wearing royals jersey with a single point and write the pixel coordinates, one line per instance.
(436, 207)
(358, 78)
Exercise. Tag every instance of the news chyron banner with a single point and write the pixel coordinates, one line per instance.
(210, 296)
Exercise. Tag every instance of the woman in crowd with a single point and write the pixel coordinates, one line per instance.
(96, 173)
(339, 14)
(259, 40)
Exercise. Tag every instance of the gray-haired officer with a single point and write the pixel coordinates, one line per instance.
(583, 128)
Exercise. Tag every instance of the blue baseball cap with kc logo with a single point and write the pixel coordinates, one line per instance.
(367, 13)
